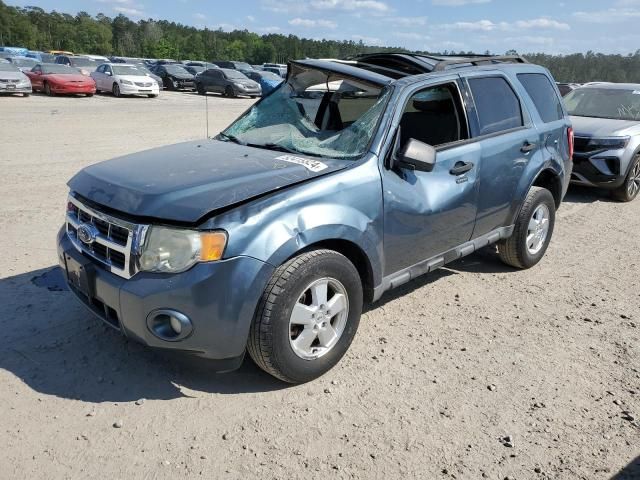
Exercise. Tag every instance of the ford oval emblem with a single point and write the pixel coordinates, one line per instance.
(87, 233)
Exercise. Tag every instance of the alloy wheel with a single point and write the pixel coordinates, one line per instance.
(633, 185)
(538, 229)
(318, 318)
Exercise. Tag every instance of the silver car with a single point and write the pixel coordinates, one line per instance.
(12, 80)
(606, 124)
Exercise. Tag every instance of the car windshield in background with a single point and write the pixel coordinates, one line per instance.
(176, 69)
(610, 103)
(25, 62)
(270, 76)
(242, 66)
(128, 70)
(60, 69)
(315, 113)
(83, 62)
(8, 67)
(233, 74)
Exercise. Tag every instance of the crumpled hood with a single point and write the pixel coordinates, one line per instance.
(604, 127)
(186, 181)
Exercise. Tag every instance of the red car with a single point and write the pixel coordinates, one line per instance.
(60, 79)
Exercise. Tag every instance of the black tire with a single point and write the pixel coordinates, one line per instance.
(115, 89)
(200, 89)
(514, 250)
(89, 95)
(26, 94)
(229, 92)
(152, 95)
(48, 91)
(269, 342)
(629, 190)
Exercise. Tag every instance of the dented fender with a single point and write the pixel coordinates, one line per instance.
(345, 205)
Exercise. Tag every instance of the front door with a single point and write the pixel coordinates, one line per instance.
(429, 213)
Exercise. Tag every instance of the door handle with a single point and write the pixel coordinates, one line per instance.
(528, 147)
(460, 168)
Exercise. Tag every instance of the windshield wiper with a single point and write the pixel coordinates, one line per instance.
(231, 138)
(271, 146)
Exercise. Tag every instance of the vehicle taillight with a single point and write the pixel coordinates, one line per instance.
(570, 141)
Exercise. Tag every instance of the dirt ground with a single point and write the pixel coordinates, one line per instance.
(476, 371)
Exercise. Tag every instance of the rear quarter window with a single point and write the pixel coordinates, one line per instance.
(497, 105)
(544, 96)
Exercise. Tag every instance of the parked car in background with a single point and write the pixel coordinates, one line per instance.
(13, 51)
(124, 79)
(60, 52)
(41, 57)
(606, 121)
(194, 69)
(97, 58)
(271, 238)
(268, 81)
(174, 76)
(142, 66)
(54, 79)
(227, 82)
(13, 80)
(166, 61)
(241, 66)
(278, 69)
(24, 63)
(206, 65)
(84, 64)
(566, 88)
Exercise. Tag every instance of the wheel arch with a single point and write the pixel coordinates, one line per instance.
(550, 180)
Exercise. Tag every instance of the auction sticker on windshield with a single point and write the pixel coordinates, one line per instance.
(312, 165)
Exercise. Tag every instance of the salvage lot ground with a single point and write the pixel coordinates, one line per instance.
(440, 372)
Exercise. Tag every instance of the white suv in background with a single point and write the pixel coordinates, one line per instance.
(124, 79)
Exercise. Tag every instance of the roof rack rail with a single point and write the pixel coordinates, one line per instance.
(478, 60)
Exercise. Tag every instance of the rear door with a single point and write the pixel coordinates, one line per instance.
(430, 213)
(508, 141)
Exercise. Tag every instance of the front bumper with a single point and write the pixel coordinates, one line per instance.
(6, 88)
(603, 170)
(66, 89)
(136, 90)
(219, 298)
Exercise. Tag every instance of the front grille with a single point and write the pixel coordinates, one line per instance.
(143, 84)
(4, 80)
(117, 241)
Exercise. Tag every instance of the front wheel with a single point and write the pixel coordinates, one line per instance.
(631, 187)
(307, 317)
(532, 232)
(229, 91)
(152, 95)
(48, 91)
(116, 90)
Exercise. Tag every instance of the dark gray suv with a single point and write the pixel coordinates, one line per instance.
(350, 179)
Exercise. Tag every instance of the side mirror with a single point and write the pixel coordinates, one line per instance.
(416, 155)
(108, 73)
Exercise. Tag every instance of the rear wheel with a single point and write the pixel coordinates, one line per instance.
(307, 317)
(115, 90)
(532, 232)
(631, 186)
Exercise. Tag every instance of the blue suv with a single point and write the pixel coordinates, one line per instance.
(352, 178)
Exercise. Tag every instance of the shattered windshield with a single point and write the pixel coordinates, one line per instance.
(316, 113)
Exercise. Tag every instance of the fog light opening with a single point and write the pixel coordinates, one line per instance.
(169, 325)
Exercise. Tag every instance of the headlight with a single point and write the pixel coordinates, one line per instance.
(126, 82)
(612, 143)
(240, 85)
(174, 250)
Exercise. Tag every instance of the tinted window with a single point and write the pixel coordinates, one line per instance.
(497, 105)
(543, 95)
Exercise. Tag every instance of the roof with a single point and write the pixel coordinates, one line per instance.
(348, 69)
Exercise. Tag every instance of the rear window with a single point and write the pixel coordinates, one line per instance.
(543, 95)
(497, 105)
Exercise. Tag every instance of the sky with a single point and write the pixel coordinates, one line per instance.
(549, 26)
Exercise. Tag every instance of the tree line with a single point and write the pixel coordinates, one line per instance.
(36, 29)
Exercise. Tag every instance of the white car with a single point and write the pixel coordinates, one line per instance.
(124, 79)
